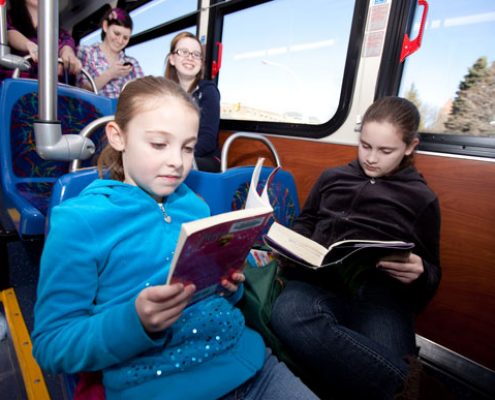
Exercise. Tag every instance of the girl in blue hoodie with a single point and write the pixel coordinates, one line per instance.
(102, 302)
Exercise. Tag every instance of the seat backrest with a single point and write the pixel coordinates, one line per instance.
(75, 109)
(227, 191)
(223, 192)
(27, 179)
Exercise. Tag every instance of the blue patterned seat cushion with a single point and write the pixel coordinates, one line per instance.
(74, 115)
(282, 201)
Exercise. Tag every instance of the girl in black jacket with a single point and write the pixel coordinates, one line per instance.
(356, 342)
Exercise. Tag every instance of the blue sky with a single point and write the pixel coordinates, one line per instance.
(457, 33)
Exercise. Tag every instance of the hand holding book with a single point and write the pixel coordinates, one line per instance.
(352, 259)
(310, 254)
(211, 250)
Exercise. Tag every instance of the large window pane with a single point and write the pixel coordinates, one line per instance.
(452, 76)
(283, 61)
(158, 12)
(150, 15)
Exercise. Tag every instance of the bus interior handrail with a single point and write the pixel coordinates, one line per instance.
(247, 135)
(86, 132)
(84, 71)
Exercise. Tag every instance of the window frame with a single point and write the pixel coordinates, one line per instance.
(221, 9)
(401, 20)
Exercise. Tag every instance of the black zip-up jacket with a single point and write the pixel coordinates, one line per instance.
(346, 204)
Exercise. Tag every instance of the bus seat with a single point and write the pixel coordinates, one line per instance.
(27, 179)
(227, 191)
(223, 192)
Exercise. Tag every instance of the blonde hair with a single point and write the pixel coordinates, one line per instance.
(134, 98)
(171, 71)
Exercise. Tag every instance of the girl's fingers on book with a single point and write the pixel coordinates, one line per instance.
(163, 320)
(158, 298)
(230, 286)
(238, 277)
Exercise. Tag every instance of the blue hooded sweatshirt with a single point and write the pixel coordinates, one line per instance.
(103, 248)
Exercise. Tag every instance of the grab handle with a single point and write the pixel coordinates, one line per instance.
(86, 132)
(411, 46)
(88, 76)
(247, 135)
(217, 64)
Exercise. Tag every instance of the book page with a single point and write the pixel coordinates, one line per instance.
(254, 199)
(294, 245)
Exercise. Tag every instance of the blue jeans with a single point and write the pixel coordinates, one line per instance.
(353, 346)
(273, 382)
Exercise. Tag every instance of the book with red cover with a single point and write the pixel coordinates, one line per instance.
(212, 248)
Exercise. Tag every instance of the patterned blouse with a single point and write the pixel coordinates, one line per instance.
(94, 61)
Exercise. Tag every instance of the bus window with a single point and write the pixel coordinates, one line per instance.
(157, 12)
(452, 76)
(283, 61)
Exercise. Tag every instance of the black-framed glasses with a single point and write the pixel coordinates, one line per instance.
(186, 53)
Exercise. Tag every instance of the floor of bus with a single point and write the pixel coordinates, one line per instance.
(23, 260)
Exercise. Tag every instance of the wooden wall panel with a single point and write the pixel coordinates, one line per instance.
(461, 317)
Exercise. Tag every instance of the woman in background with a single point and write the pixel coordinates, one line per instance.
(106, 62)
(185, 65)
(22, 36)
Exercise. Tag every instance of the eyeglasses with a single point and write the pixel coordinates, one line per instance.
(186, 53)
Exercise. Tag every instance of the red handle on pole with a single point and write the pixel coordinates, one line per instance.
(411, 46)
(217, 64)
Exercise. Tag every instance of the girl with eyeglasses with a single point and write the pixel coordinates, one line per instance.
(185, 65)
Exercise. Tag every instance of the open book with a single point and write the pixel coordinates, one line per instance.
(307, 252)
(212, 248)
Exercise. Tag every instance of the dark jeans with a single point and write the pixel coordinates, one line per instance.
(354, 346)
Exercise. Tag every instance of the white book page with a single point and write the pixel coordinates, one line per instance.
(297, 244)
(254, 200)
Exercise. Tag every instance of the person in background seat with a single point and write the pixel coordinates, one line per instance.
(185, 65)
(106, 61)
(22, 25)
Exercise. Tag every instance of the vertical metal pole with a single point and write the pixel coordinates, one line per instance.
(48, 59)
(3, 24)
